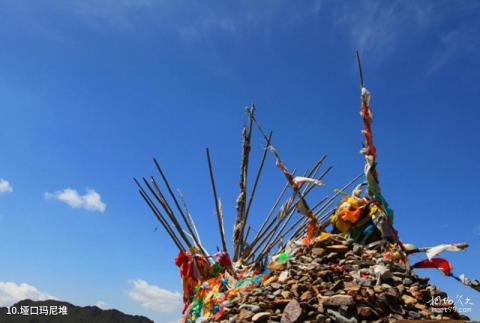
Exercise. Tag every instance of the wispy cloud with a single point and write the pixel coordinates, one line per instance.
(154, 297)
(11, 293)
(114, 12)
(5, 186)
(192, 21)
(317, 6)
(91, 200)
(379, 27)
(454, 43)
(101, 304)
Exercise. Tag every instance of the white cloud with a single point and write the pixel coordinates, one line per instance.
(5, 186)
(91, 200)
(101, 304)
(154, 297)
(10, 293)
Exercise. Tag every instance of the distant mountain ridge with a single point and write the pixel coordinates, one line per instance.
(74, 314)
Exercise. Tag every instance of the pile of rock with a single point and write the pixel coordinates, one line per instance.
(337, 280)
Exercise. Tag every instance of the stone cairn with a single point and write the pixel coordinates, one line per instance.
(337, 280)
(293, 268)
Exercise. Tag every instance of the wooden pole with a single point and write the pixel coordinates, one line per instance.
(217, 203)
(360, 72)
(159, 216)
(161, 199)
(241, 221)
(257, 178)
(170, 191)
(192, 224)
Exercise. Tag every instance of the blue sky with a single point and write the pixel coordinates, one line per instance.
(90, 91)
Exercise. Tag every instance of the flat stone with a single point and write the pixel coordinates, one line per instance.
(387, 277)
(337, 300)
(349, 242)
(407, 281)
(401, 289)
(244, 316)
(283, 276)
(367, 282)
(252, 308)
(320, 308)
(350, 286)
(306, 296)
(365, 312)
(338, 248)
(294, 288)
(292, 312)
(357, 249)
(392, 293)
(345, 311)
(408, 300)
(306, 259)
(338, 285)
(414, 315)
(332, 255)
(421, 307)
(318, 251)
(276, 285)
(339, 318)
(256, 291)
(261, 317)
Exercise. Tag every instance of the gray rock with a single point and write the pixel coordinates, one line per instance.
(251, 308)
(276, 285)
(292, 313)
(337, 300)
(414, 315)
(339, 318)
(407, 281)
